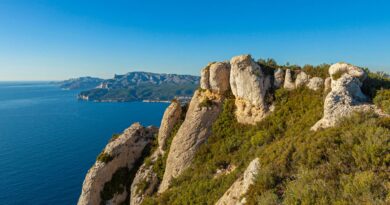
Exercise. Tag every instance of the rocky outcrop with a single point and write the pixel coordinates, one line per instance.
(146, 181)
(302, 79)
(278, 78)
(345, 97)
(144, 184)
(315, 83)
(250, 85)
(234, 195)
(215, 77)
(288, 81)
(203, 110)
(121, 153)
(170, 118)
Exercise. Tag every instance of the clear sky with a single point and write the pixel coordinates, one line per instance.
(53, 40)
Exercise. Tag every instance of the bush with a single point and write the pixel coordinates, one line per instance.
(382, 100)
(206, 103)
(104, 157)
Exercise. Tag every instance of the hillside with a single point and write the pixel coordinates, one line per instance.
(136, 86)
(256, 132)
(82, 83)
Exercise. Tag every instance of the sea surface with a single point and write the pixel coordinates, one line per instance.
(49, 139)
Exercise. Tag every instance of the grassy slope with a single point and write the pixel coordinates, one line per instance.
(345, 164)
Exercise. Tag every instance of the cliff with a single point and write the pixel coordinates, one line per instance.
(260, 133)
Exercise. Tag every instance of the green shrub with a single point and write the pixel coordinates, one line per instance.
(104, 157)
(338, 75)
(206, 103)
(114, 137)
(117, 185)
(382, 100)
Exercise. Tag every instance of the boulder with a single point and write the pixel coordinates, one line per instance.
(203, 110)
(302, 79)
(170, 118)
(345, 97)
(215, 77)
(122, 152)
(204, 77)
(219, 77)
(288, 81)
(234, 195)
(278, 78)
(249, 85)
(315, 83)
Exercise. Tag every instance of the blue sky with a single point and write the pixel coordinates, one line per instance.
(53, 40)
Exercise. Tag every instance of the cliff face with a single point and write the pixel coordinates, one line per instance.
(146, 180)
(203, 110)
(251, 86)
(119, 156)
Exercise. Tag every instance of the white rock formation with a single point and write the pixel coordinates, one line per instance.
(278, 78)
(288, 81)
(249, 85)
(145, 183)
(345, 96)
(302, 79)
(234, 195)
(195, 129)
(215, 77)
(327, 84)
(170, 118)
(125, 151)
(315, 83)
(145, 177)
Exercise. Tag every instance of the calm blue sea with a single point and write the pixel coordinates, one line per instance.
(49, 140)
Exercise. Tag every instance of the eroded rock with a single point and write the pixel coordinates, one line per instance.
(203, 110)
(170, 118)
(215, 77)
(345, 97)
(249, 85)
(234, 195)
(315, 83)
(123, 152)
(302, 79)
(288, 81)
(278, 78)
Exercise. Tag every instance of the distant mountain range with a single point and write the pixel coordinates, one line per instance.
(82, 83)
(134, 86)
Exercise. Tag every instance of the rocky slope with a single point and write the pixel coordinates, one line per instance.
(119, 156)
(247, 110)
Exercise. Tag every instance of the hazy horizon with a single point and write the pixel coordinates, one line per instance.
(57, 40)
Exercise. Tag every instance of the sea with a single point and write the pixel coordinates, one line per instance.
(49, 139)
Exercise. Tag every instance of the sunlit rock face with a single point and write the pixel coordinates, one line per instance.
(235, 194)
(315, 83)
(278, 78)
(203, 110)
(345, 96)
(288, 81)
(249, 84)
(124, 152)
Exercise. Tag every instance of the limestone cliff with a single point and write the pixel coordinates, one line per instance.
(203, 110)
(119, 156)
(146, 180)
